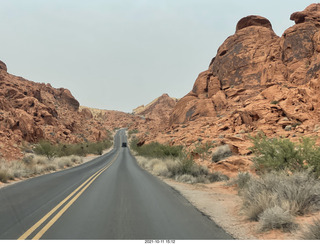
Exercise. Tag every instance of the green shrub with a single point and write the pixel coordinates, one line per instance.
(282, 154)
(45, 148)
(131, 132)
(80, 149)
(275, 154)
(155, 149)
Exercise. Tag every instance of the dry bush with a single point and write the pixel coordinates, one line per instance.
(276, 218)
(183, 171)
(241, 180)
(221, 152)
(313, 231)
(33, 164)
(298, 193)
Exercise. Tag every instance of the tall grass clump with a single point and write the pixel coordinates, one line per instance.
(276, 154)
(241, 180)
(313, 231)
(296, 194)
(277, 218)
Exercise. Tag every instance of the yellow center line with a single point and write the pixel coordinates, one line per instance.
(53, 220)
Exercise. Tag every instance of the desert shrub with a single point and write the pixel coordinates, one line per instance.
(310, 153)
(298, 193)
(203, 149)
(241, 180)
(80, 149)
(221, 152)
(276, 218)
(4, 176)
(45, 148)
(131, 132)
(155, 149)
(313, 231)
(183, 169)
(216, 176)
(186, 178)
(33, 165)
(282, 154)
(275, 154)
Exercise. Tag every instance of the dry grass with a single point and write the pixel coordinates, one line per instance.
(277, 218)
(171, 168)
(313, 231)
(33, 164)
(274, 199)
(221, 152)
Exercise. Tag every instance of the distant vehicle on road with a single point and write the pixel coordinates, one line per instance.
(124, 144)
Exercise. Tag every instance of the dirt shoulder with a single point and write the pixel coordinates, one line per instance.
(222, 204)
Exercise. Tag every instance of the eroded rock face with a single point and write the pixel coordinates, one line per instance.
(3, 66)
(253, 20)
(32, 111)
(250, 63)
(310, 14)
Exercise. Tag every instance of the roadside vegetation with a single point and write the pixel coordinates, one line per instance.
(287, 184)
(45, 157)
(172, 162)
(32, 165)
(81, 149)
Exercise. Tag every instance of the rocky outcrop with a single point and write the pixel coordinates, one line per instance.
(155, 116)
(31, 111)
(259, 79)
(257, 82)
(310, 14)
(253, 20)
(159, 108)
(3, 66)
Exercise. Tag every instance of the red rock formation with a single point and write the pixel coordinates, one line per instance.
(155, 116)
(258, 78)
(257, 82)
(32, 111)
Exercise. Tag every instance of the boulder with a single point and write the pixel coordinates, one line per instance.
(3, 66)
(253, 20)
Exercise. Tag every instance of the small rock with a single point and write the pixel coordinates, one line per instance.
(300, 130)
(288, 128)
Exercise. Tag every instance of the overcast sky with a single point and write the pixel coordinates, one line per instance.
(119, 54)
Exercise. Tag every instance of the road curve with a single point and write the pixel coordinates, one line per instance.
(110, 197)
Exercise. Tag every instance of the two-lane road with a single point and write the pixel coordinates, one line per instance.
(110, 197)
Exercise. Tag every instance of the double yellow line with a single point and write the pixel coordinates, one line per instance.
(73, 196)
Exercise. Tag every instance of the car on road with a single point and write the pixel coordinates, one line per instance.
(124, 144)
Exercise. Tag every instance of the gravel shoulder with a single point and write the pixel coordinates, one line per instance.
(222, 204)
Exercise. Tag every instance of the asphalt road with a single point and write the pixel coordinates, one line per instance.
(110, 197)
